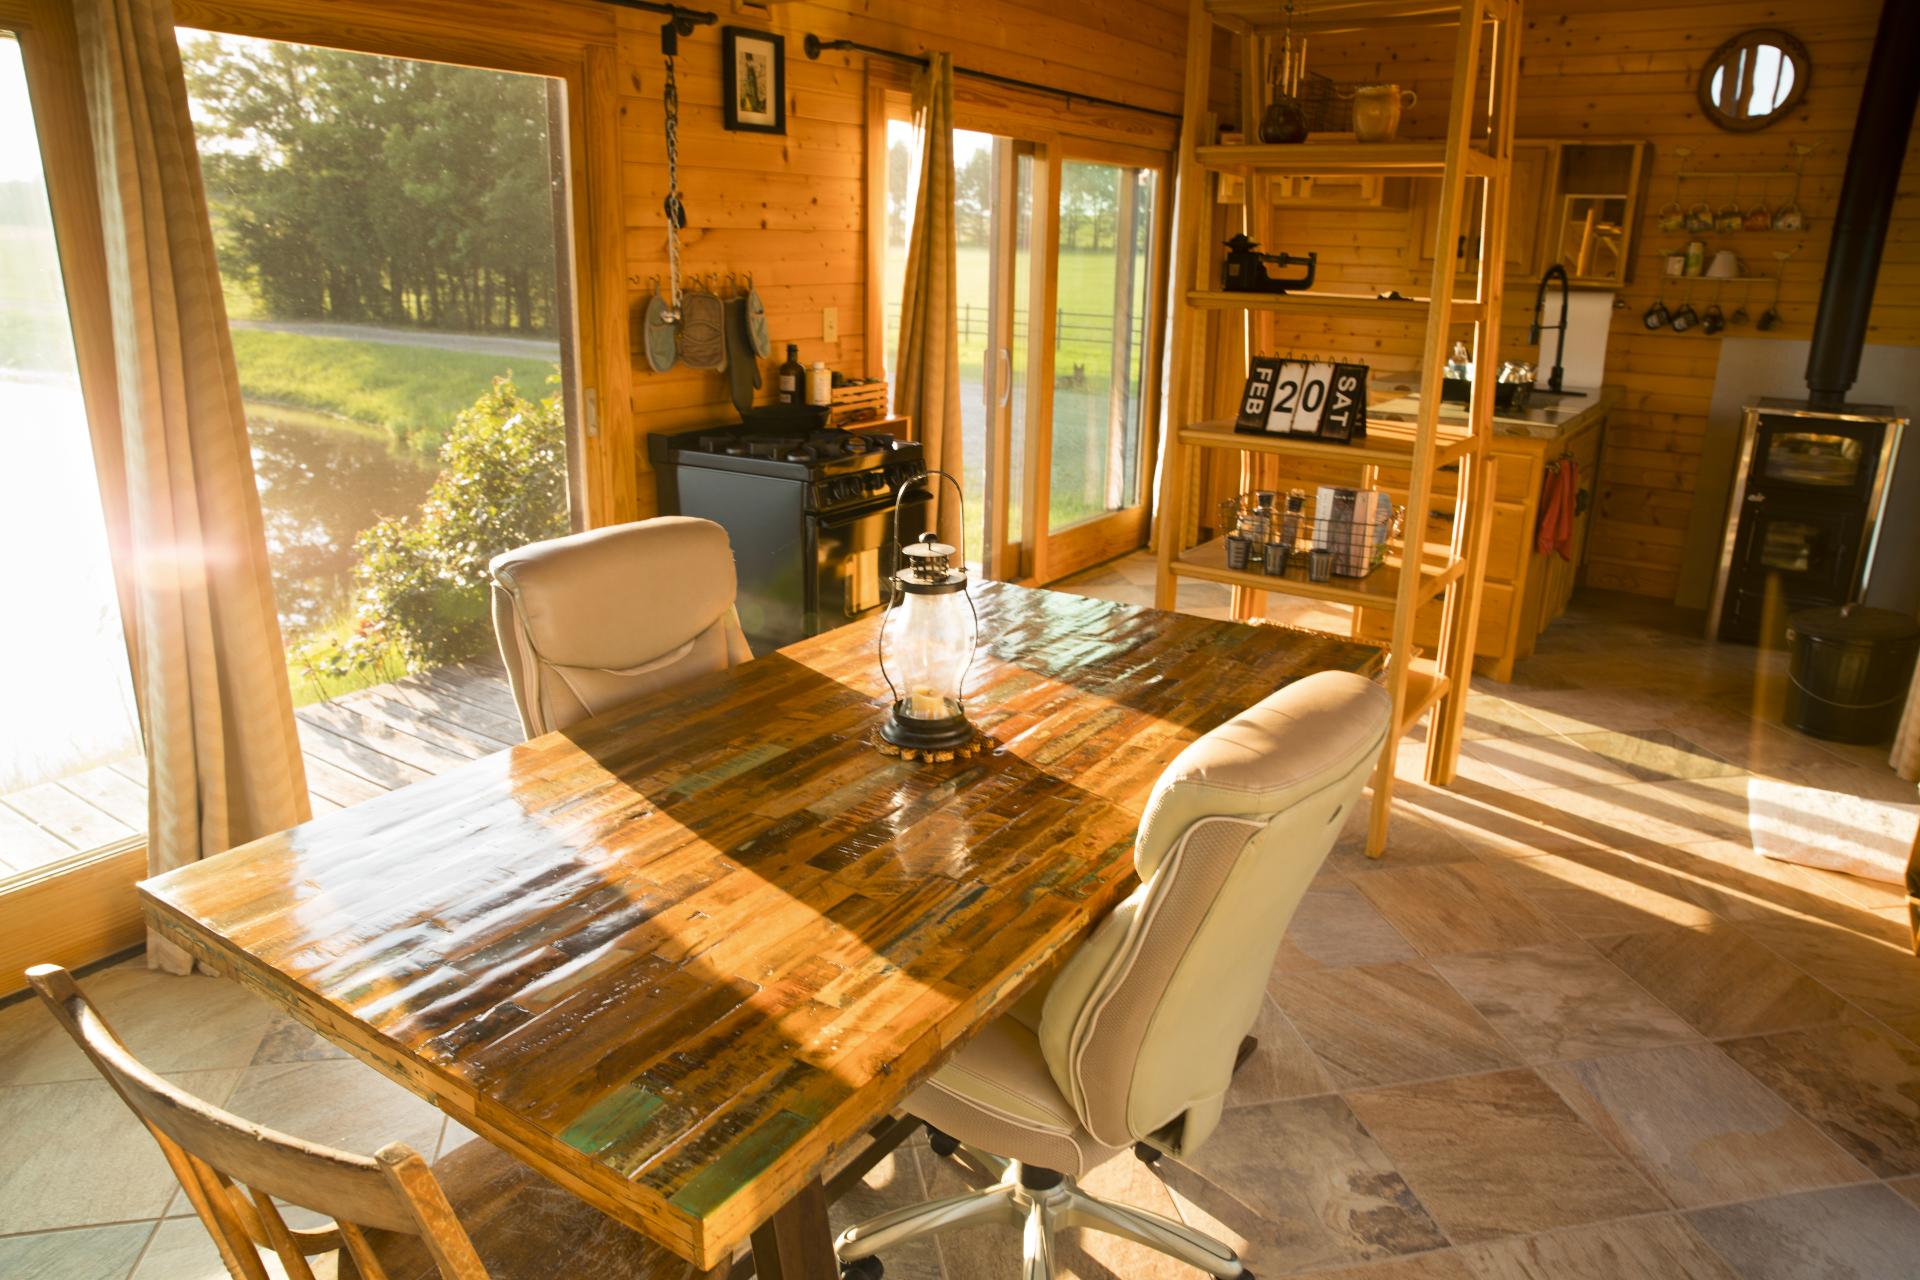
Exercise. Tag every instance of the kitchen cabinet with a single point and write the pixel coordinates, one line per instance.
(1573, 202)
(1524, 590)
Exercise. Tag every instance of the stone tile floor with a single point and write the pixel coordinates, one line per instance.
(1571, 1026)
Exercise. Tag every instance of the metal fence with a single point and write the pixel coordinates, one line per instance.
(1080, 328)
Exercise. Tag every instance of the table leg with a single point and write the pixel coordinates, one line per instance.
(796, 1243)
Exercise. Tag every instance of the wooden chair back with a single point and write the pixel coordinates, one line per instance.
(232, 1171)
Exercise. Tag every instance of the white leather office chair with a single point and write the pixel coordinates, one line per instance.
(1136, 1039)
(591, 620)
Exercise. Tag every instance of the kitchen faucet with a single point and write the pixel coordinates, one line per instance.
(1539, 310)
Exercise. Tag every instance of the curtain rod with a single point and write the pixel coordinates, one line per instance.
(681, 21)
(815, 46)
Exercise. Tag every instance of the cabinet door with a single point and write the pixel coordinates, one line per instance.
(1532, 176)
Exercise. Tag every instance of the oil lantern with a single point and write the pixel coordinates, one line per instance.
(927, 642)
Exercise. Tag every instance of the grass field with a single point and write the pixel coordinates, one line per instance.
(413, 392)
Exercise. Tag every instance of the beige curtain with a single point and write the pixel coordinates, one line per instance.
(928, 362)
(222, 753)
(1906, 740)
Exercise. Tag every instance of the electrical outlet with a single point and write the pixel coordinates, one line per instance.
(830, 324)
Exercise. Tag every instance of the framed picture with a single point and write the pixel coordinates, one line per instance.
(754, 74)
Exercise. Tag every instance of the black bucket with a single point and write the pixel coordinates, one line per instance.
(1848, 671)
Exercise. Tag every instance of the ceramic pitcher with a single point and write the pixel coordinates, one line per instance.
(1376, 111)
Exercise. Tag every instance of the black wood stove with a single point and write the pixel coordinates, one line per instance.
(809, 513)
(1806, 503)
(1806, 508)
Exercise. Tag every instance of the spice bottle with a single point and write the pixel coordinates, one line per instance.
(792, 376)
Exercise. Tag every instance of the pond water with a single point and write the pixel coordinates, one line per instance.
(322, 482)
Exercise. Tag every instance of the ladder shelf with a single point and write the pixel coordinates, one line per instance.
(1475, 155)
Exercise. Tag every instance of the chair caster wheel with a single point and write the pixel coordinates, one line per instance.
(867, 1268)
(943, 1144)
(1146, 1154)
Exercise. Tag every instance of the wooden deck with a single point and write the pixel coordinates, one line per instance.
(356, 747)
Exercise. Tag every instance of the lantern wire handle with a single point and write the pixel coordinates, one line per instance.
(893, 592)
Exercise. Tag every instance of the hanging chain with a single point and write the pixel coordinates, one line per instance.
(676, 212)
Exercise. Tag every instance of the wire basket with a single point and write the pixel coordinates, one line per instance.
(1354, 527)
(1325, 104)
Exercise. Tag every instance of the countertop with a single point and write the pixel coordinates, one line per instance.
(1546, 418)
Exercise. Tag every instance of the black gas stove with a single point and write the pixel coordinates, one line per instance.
(809, 513)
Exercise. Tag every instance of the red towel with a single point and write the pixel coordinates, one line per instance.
(1556, 516)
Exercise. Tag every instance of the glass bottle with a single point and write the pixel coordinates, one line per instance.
(792, 376)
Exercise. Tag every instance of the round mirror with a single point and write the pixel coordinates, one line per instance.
(1754, 79)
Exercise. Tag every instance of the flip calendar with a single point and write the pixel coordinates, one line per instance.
(1323, 400)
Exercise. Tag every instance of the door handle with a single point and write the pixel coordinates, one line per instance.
(1003, 376)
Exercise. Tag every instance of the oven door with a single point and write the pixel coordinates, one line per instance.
(853, 556)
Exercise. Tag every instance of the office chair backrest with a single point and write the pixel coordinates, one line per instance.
(592, 620)
(1141, 1027)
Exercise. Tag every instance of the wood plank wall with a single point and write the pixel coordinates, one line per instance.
(793, 210)
(1612, 70)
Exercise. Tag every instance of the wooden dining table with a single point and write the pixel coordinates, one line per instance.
(680, 957)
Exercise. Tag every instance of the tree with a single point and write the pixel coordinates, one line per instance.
(353, 187)
(422, 582)
(973, 197)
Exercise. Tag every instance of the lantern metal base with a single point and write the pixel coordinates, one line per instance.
(912, 733)
(933, 741)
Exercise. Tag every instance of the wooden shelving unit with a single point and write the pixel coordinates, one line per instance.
(1473, 161)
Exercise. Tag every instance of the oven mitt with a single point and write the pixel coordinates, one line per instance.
(703, 331)
(757, 327)
(660, 335)
(743, 371)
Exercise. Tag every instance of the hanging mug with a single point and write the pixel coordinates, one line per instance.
(1711, 320)
(1656, 316)
(1768, 318)
(1672, 217)
(1789, 218)
(1759, 218)
(1739, 315)
(1376, 111)
(1685, 318)
(1700, 217)
(1729, 219)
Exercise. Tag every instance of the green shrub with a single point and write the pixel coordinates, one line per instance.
(421, 583)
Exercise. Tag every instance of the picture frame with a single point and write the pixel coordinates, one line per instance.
(753, 69)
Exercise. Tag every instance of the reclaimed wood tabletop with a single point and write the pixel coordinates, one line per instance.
(679, 956)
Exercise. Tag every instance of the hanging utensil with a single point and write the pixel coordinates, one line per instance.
(659, 334)
(703, 329)
(762, 340)
(743, 371)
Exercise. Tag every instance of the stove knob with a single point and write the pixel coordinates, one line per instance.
(875, 482)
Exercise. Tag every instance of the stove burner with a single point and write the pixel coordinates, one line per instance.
(800, 453)
(856, 444)
(735, 449)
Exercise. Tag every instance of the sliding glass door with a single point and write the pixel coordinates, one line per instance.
(73, 799)
(1104, 345)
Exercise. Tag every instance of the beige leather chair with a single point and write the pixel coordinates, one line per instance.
(1136, 1039)
(594, 619)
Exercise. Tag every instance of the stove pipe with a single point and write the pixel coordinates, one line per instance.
(1866, 205)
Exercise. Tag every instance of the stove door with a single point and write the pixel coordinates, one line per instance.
(1788, 556)
(1832, 461)
(854, 556)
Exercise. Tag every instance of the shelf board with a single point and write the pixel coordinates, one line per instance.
(1221, 435)
(1378, 590)
(1425, 687)
(1428, 158)
(1358, 305)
